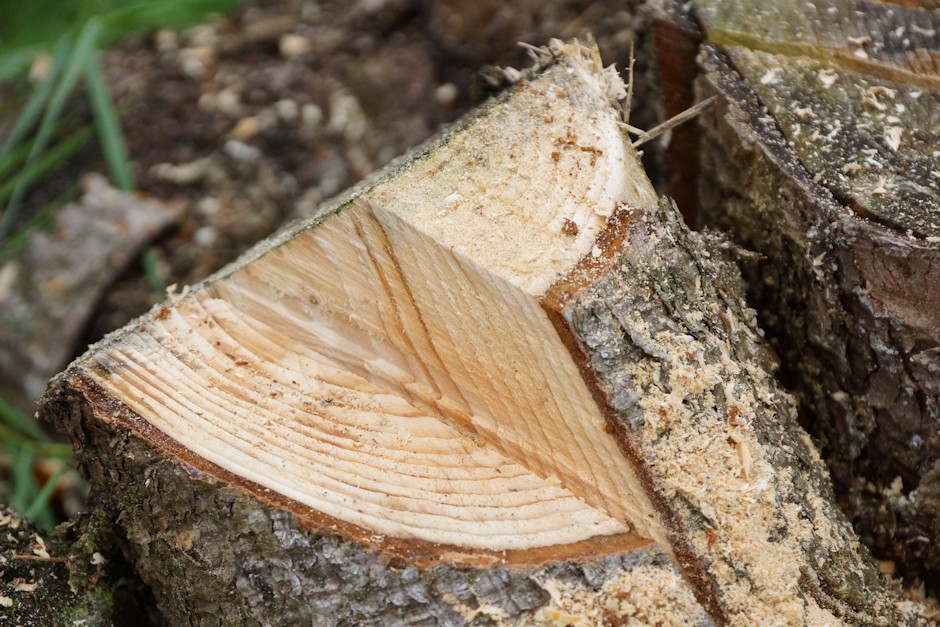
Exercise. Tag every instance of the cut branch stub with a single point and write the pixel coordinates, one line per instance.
(503, 353)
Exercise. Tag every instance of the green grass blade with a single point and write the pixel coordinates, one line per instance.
(84, 47)
(109, 127)
(37, 23)
(17, 89)
(14, 438)
(41, 22)
(23, 488)
(18, 156)
(14, 158)
(152, 271)
(37, 100)
(13, 417)
(149, 15)
(39, 509)
(16, 62)
(38, 169)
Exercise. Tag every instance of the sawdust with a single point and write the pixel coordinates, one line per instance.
(722, 470)
(646, 595)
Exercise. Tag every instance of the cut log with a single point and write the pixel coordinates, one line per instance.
(498, 382)
(835, 182)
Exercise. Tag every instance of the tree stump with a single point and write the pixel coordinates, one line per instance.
(499, 382)
(823, 157)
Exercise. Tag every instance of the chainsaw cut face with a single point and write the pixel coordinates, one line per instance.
(394, 367)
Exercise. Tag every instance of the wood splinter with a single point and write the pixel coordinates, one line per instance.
(439, 402)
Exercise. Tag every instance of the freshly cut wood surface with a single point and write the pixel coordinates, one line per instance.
(388, 383)
(846, 212)
(485, 385)
(392, 367)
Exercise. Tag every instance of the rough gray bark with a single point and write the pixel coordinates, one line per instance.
(845, 218)
(216, 555)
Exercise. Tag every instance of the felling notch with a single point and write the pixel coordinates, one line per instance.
(499, 379)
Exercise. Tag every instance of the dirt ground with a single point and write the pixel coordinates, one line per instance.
(254, 119)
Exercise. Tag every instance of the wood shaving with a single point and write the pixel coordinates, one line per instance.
(39, 548)
(893, 137)
(828, 77)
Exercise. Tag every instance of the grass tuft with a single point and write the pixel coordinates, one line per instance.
(25, 443)
(37, 137)
(108, 126)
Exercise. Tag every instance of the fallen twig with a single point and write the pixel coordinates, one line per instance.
(37, 558)
(659, 129)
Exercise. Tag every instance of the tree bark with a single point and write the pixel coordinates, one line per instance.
(216, 554)
(672, 44)
(709, 502)
(821, 156)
